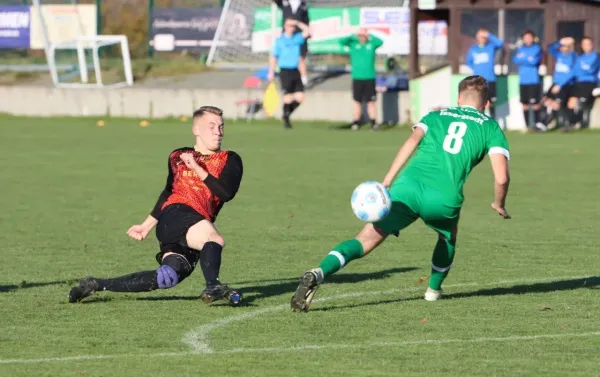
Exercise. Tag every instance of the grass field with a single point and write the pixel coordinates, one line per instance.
(517, 304)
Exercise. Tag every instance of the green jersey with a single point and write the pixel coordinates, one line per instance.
(456, 140)
(362, 56)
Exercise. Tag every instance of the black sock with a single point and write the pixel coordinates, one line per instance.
(536, 116)
(526, 115)
(287, 109)
(373, 122)
(293, 106)
(210, 262)
(585, 116)
(142, 281)
(573, 117)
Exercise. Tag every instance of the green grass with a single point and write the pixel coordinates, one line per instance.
(70, 189)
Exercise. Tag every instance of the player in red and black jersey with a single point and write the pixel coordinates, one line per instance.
(200, 180)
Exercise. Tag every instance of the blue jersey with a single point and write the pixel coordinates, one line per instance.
(564, 68)
(528, 58)
(587, 67)
(287, 50)
(481, 58)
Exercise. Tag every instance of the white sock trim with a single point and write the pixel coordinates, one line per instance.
(440, 269)
(338, 256)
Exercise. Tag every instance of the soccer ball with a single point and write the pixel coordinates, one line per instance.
(371, 201)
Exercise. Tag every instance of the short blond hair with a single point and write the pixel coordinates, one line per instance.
(207, 109)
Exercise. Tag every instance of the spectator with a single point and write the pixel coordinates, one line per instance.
(555, 100)
(298, 10)
(586, 77)
(286, 57)
(362, 59)
(529, 57)
(481, 60)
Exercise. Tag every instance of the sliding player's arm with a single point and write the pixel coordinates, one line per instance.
(140, 231)
(304, 28)
(499, 156)
(407, 149)
(226, 186)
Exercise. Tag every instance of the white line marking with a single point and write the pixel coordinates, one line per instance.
(197, 338)
(513, 338)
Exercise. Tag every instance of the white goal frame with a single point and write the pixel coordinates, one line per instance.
(93, 43)
(80, 44)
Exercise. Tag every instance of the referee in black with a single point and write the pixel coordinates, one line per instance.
(297, 10)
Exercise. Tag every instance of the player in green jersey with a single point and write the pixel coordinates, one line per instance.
(362, 48)
(448, 144)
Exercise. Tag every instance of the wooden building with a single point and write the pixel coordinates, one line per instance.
(560, 18)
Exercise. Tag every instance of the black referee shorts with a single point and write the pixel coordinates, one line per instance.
(291, 82)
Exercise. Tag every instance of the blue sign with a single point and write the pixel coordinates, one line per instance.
(14, 26)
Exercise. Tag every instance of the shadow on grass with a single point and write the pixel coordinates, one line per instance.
(26, 285)
(591, 282)
(289, 285)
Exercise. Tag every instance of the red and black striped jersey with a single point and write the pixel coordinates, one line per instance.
(183, 186)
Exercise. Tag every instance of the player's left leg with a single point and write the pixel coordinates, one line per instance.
(587, 104)
(443, 255)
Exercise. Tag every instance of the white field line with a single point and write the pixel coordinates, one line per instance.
(197, 338)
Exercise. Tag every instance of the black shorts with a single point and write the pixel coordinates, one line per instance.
(364, 90)
(173, 224)
(291, 82)
(530, 94)
(563, 94)
(492, 96)
(583, 92)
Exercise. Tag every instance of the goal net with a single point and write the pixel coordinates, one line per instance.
(247, 28)
(67, 34)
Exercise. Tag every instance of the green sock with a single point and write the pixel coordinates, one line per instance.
(341, 255)
(443, 254)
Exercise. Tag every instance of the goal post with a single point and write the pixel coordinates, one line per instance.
(81, 39)
(330, 20)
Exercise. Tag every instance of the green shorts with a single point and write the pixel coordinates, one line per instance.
(412, 200)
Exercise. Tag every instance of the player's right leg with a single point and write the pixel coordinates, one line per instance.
(356, 105)
(371, 236)
(174, 267)
(208, 243)
(341, 254)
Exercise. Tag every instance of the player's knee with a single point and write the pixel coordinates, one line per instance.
(217, 238)
(299, 97)
(370, 237)
(173, 270)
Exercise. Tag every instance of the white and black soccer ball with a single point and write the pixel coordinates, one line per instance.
(371, 201)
